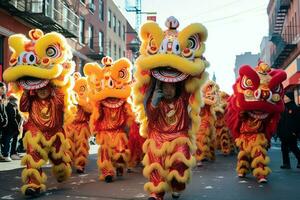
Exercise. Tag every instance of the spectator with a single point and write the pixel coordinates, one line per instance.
(11, 131)
(3, 115)
(16, 128)
(288, 129)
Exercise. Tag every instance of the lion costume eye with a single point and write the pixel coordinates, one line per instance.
(277, 89)
(246, 83)
(31, 58)
(152, 48)
(52, 51)
(193, 42)
(82, 88)
(123, 74)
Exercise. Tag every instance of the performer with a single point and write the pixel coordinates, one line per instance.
(224, 141)
(78, 132)
(109, 90)
(252, 116)
(41, 66)
(206, 135)
(170, 72)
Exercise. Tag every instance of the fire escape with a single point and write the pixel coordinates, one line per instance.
(281, 35)
(48, 15)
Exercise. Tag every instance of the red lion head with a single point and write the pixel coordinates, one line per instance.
(258, 93)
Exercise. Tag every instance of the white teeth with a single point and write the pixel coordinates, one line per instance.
(113, 105)
(258, 116)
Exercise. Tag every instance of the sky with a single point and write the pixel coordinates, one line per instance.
(234, 27)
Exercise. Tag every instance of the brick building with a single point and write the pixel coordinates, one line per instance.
(94, 28)
(284, 32)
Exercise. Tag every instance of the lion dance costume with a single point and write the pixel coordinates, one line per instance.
(252, 116)
(42, 66)
(169, 129)
(109, 90)
(224, 141)
(78, 132)
(206, 135)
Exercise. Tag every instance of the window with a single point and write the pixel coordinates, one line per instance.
(91, 5)
(82, 1)
(81, 30)
(123, 32)
(114, 23)
(120, 52)
(101, 10)
(109, 18)
(100, 39)
(115, 51)
(119, 28)
(91, 36)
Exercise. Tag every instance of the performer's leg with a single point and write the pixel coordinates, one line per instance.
(36, 156)
(243, 159)
(225, 142)
(203, 147)
(104, 162)
(155, 169)
(60, 158)
(179, 164)
(121, 153)
(82, 148)
(70, 134)
(260, 158)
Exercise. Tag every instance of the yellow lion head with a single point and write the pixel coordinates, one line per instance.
(170, 56)
(112, 80)
(210, 92)
(39, 59)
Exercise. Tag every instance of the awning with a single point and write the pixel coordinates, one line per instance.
(292, 81)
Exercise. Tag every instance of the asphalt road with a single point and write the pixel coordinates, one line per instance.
(214, 181)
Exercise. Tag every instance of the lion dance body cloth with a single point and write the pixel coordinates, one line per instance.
(252, 116)
(78, 132)
(175, 58)
(42, 66)
(109, 90)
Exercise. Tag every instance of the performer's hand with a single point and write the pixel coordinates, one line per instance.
(157, 94)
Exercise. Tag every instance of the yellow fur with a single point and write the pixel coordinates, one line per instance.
(182, 179)
(161, 187)
(154, 166)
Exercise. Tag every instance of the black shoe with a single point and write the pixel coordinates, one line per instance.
(129, 170)
(32, 191)
(151, 198)
(108, 179)
(80, 171)
(285, 167)
(298, 165)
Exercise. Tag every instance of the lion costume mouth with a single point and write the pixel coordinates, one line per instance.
(258, 114)
(168, 74)
(113, 102)
(31, 83)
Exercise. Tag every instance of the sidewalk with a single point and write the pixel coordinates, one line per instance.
(15, 164)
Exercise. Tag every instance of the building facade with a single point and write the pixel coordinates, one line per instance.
(284, 33)
(265, 46)
(245, 59)
(93, 28)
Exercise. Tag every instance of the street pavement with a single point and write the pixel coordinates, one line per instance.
(214, 181)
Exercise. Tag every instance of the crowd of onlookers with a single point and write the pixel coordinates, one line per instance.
(11, 125)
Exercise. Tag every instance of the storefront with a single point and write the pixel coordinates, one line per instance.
(293, 79)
